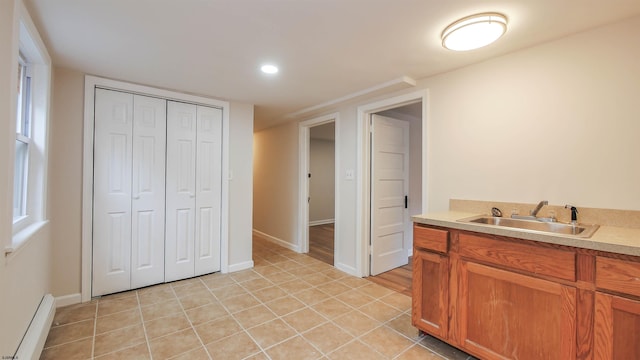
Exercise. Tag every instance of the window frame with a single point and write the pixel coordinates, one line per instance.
(31, 51)
(23, 121)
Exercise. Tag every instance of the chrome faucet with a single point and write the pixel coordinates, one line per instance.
(535, 211)
(533, 214)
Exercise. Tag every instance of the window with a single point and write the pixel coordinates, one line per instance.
(32, 85)
(23, 122)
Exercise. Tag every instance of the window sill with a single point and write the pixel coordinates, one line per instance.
(22, 237)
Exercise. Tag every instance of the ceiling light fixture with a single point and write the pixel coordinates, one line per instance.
(474, 31)
(269, 69)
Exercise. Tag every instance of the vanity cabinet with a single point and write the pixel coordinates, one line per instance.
(430, 281)
(617, 327)
(498, 297)
(617, 317)
(502, 314)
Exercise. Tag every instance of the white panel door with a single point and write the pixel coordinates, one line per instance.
(149, 141)
(180, 191)
(112, 192)
(208, 190)
(389, 186)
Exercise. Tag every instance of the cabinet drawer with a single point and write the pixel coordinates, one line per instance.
(618, 275)
(430, 239)
(538, 260)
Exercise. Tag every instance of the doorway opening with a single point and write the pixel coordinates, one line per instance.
(318, 222)
(322, 192)
(392, 182)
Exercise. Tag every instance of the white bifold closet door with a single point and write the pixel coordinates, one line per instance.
(129, 191)
(193, 190)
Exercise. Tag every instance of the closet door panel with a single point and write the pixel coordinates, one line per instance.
(208, 190)
(112, 192)
(180, 191)
(148, 192)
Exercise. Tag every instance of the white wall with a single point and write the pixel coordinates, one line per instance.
(558, 121)
(322, 181)
(65, 180)
(24, 275)
(275, 182)
(240, 186)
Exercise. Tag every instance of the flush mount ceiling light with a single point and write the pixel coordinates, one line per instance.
(269, 69)
(474, 31)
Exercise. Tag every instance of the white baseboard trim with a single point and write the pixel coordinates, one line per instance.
(67, 300)
(346, 268)
(321, 222)
(241, 266)
(33, 341)
(277, 241)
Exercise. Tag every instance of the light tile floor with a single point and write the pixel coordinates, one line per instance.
(289, 306)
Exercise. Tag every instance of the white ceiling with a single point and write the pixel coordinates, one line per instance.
(326, 49)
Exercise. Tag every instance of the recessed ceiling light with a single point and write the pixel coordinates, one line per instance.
(269, 69)
(474, 31)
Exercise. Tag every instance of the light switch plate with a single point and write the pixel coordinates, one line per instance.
(349, 174)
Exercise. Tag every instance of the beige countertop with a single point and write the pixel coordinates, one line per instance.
(613, 239)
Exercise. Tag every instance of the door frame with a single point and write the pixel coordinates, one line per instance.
(363, 160)
(90, 83)
(303, 180)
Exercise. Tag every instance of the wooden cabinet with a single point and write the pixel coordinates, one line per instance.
(616, 328)
(430, 292)
(498, 297)
(430, 280)
(503, 314)
(617, 318)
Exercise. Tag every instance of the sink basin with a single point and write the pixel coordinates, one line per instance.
(578, 230)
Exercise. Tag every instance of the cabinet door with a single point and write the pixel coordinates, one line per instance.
(148, 206)
(617, 328)
(504, 315)
(430, 293)
(208, 190)
(180, 191)
(112, 192)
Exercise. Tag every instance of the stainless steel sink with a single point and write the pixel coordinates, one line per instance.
(578, 230)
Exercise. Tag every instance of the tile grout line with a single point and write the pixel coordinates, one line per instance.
(144, 327)
(245, 330)
(331, 296)
(381, 324)
(281, 317)
(307, 306)
(95, 327)
(184, 312)
(277, 317)
(99, 300)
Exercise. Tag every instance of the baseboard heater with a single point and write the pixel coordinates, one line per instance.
(33, 341)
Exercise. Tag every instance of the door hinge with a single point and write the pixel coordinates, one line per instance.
(406, 202)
